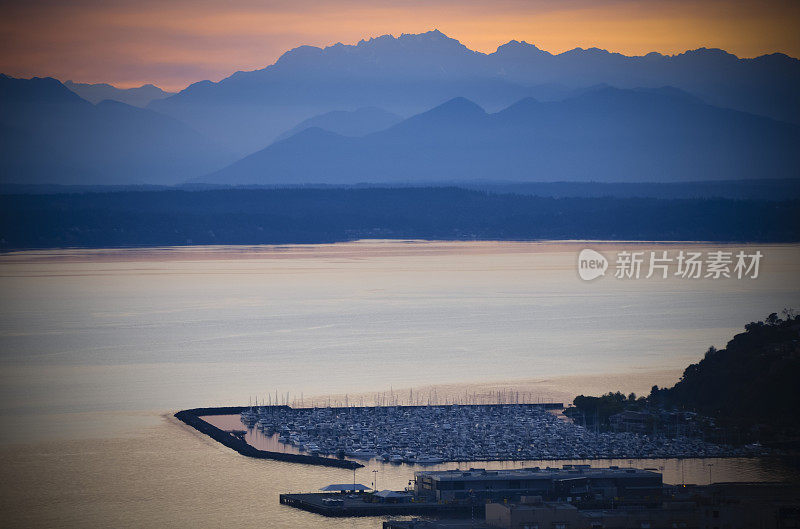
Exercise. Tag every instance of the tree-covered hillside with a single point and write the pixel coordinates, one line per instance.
(748, 391)
(755, 379)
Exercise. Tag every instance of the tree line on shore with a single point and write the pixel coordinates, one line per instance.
(747, 391)
(315, 215)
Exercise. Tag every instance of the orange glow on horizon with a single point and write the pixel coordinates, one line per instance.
(172, 44)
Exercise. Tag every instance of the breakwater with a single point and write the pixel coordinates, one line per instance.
(193, 418)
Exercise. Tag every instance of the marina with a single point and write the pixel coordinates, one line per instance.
(429, 435)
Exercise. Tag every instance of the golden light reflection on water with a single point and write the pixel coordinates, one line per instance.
(95, 344)
(170, 328)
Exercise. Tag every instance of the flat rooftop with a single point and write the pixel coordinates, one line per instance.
(573, 471)
(435, 524)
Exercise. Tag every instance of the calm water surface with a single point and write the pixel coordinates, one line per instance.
(95, 331)
(97, 346)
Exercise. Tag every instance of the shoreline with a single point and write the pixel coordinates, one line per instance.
(395, 246)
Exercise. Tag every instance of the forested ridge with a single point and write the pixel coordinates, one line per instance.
(750, 389)
(299, 215)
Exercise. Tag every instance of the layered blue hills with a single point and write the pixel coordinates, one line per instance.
(50, 135)
(333, 115)
(605, 134)
(409, 74)
(97, 92)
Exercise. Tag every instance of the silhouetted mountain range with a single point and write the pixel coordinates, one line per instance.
(605, 134)
(701, 115)
(137, 97)
(50, 135)
(412, 73)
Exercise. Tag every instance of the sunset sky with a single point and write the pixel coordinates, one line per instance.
(172, 43)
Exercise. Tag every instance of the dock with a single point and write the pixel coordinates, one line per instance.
(338, 505)
(435, 524)
(235, 441)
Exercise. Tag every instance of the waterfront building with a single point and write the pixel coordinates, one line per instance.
(716, 506)
(533, 513)
(744, 505)
(631, 421)
(572, 483)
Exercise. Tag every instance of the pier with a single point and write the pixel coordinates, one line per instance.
(457, 493)
(235, 442)
(338, 505)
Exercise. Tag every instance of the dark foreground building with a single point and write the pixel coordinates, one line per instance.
(572, 483)
(717, 506)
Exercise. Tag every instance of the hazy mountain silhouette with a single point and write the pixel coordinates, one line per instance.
(411, 73)
(693, 116)
(50, 135)
(137, 97)
(605, 135)
(359, 122)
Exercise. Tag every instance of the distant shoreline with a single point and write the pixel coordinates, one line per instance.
(330, 215)
(753, 189)
(211, 251)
